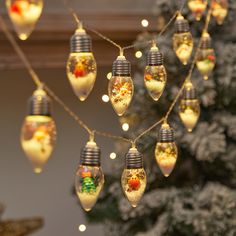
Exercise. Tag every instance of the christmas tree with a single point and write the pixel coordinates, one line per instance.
(199, 197)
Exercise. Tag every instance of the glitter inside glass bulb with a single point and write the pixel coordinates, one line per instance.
(197, 7)
(155, 80)
(133, 178)
(82, 72)
(189, 111)
(37, 139)
(219, 10)
(89, 183)
(206, 57)
(133, 183)
(189, 108)
(24, 15)
(166, 151)
(89, 178)
(183, 46)
(182, 40)
(120, 92)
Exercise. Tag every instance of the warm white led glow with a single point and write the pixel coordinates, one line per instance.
(138, 54)
(82, 228)
(144, 23)
(105, 98)
(125, 126)
(113, 155)
(109, 75)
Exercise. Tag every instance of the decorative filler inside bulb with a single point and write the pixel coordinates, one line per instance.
(189, 108)
(24, 14)
(197, 7)
(182, 40)
(219, 10)
(133, 179)
(89, 179)
(38, 133)
(81, 65)
(166, 151)
(121, 88)
(206, 57)
(155, 75)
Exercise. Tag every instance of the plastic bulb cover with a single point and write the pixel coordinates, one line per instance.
(89, 182)
(219, 10)
(133, 182)
(38, 137)
(24, 14)
(189, 112)
(206, 61)
(120, 90)
(197, 7)
(183, 46)
(155, 78)
(82, 72)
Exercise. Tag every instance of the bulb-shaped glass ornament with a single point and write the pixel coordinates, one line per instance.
(24, 14)
(182, 40)
(155, 75)
(38, 134)
(81, 65)
(166, 151)
(120, 87)
(133, 178)
(89, 178)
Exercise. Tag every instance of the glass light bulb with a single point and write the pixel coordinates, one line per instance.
(183, 46)
(189, 111)
(82, 72)
(166, 155)
(37, 139)
(133, 182)
(120, 90)
(205, 61)
(155, 80)
(89, 182)
(197, 7)
(24, 14)
(219, 10)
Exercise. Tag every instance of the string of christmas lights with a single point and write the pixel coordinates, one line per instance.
(89, 176)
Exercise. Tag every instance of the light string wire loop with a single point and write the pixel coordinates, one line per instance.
(92, 132)
(122, 49)
(189, 75)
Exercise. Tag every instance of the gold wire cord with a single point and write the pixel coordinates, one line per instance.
(122, 49)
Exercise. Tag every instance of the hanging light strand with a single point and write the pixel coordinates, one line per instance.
(165, 118)
(122, 49)
(90, 131)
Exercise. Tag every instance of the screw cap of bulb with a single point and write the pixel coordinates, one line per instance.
(133, 159)
(155, 57)
(189, 92)
(181, 25)
(91, 155)
(206, 41)
(39, 103)
(80, 42)
(166, 134)
(121, 67)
